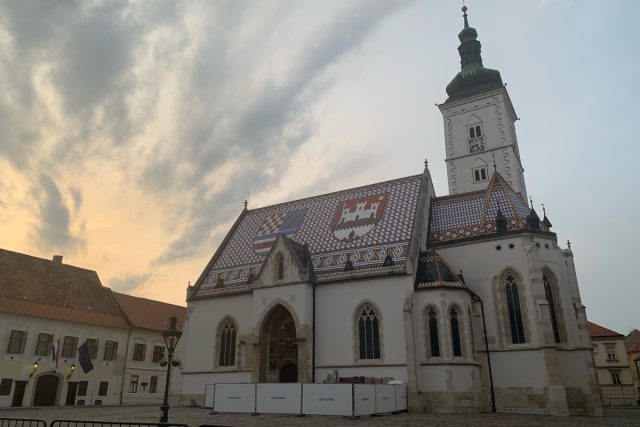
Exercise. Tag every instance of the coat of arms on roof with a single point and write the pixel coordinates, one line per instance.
(356, 217)
(286, 223)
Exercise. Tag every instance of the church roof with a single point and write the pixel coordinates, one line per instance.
(363, 224)
(465, 215)
(434, 272)
(38, 287)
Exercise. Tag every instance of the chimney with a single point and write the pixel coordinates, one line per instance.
(57, 259)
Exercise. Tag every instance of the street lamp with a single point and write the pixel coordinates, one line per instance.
(171, 337)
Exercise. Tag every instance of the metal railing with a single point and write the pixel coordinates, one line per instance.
(88, 423)
(18, 422)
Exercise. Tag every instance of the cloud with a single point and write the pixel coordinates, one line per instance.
(128, 283)
(53, 230)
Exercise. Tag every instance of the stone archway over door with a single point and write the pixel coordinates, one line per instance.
(279, 347)
(46, 390)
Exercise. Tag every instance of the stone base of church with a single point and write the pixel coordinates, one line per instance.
(584, 401)
(451, 402)
(532, 400)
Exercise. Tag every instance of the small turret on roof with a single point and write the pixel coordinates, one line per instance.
(434, 272)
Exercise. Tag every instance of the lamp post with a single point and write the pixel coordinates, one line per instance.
(171, 337)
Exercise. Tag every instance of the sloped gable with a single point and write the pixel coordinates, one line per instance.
(364, 224)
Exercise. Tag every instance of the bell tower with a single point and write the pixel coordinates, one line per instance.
(479, 123)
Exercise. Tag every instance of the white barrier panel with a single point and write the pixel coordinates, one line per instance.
(364, 399)
(279, 398)
(385, 398)
(234, 398)
(208, 395)
(327, 399)
(401, 397)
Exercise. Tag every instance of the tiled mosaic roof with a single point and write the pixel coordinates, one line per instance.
(472, 214)
(434, 272)
(365, 224)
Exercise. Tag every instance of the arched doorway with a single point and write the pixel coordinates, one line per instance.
(46, 390)
(288, 373)
(278, 347)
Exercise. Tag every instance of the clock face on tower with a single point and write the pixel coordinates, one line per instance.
(476, 145)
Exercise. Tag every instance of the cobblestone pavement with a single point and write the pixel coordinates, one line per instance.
(197, 416)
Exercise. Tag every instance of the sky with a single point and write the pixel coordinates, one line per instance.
(131, 132)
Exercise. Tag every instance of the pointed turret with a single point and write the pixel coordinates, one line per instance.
(473, 77)
(533, 220)
(545, 220)
(501, 222)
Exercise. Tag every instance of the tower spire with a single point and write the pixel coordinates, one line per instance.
(464, 14)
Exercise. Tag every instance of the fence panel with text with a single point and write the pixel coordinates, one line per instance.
(385, 398)
(234, 398)
(364, 399)
(208, 395)
(327, 399)
(279, 398)
(402, 402)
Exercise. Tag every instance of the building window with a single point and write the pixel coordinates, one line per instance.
(476, 139)
(227, 343)
(82, 388)
(369, 333)
(433, 333)
(611, 353)
(153, 384)
(139, 351)
(158, 353)
(43, 348)
(92, 348)
(133, 384)
(548, 291)
(110, 350)
(103, 388)
(615, 378)
(69, 347)
(513, 306)
(480, 174)
(17, 341)
(280, 267)
(5, 386)
(455, 332)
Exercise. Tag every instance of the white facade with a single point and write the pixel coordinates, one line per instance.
(69, 386)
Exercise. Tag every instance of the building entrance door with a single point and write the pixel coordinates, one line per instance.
(18, 393)
(72, 389)
(279, 357)
(289, 373)
(46, 390)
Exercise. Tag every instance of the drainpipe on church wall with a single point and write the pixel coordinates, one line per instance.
(475, 297)
(313, 334)
(409, 338)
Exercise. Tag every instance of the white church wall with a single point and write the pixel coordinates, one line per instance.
(524, 368)
(204, 317)
(336, 330)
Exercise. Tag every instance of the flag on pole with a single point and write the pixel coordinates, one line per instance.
(84, 358)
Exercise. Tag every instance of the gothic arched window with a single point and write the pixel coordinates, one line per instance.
(280, 267)
(472, 132)
(227, 343)
(478, 133)
(433, 333)
(483, 173)
(368, 332)
(548, 291)
(455, 332)
(515, 313)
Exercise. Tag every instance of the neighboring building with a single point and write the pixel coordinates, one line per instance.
(612, 365)
(47, 308)
(632, 344)
(366, 283)
(46, 303)
(144, 380)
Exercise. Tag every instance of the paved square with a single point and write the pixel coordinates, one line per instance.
(197, 416)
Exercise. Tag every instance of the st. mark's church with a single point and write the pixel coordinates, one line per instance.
(468, 298)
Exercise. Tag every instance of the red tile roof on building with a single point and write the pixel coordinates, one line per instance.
(149, 314)
(465, 215)
(38, 287)
(597, 331)
(363, 224)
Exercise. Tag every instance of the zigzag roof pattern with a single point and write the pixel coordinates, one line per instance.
(465, 215)
(363, 224)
